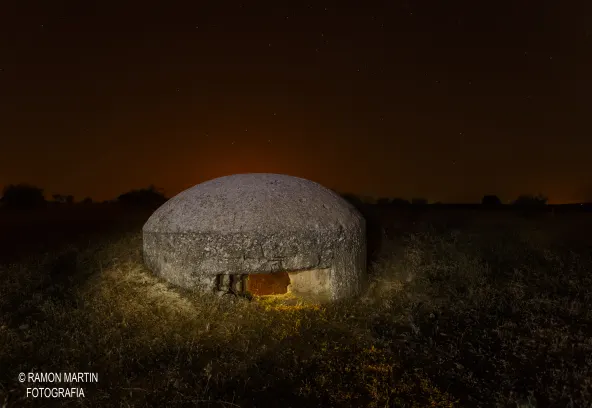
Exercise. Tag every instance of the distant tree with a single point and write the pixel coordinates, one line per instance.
(399, 201)
(352, 199)
(63, 199)
(383, 201)
(491, 200)
(146, 197)
(531, 200)
(419, 201)
(87, 201)
(23, 196)
(58, 198)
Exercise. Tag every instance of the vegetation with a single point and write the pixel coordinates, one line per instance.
(529, 200)
(26, 197)
(63, 199)
(400, 201)
(22, 196)
(419, 201)
(477, 309)
(353, 199)
(146, 197)
(491, 200)
(396, 201)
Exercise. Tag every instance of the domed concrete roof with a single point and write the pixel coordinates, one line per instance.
(256, 223)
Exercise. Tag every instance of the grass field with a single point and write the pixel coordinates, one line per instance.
(464, 308)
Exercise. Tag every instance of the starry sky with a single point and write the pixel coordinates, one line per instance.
(447, 100)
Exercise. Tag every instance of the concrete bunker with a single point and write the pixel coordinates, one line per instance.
(259, 233)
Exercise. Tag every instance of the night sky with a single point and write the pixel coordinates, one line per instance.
(447, 100)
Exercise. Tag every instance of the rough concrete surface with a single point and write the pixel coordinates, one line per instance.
(257, 223)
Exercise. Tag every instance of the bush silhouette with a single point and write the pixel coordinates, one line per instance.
(147, 197)
(491, 200)
(63, 199)
(531, 200)
(353, 199)
(399, 201)
(419, 201)
(383, 201)
(23, 196)
(58, 198)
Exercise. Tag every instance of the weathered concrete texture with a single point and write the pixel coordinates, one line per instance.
(315, 282)
(257, 223)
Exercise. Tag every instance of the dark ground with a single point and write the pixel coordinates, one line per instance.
(466, 307)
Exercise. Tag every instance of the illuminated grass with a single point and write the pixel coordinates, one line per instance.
(456, 318)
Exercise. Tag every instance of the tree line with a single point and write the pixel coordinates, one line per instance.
(486, 201)
(27, 196)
